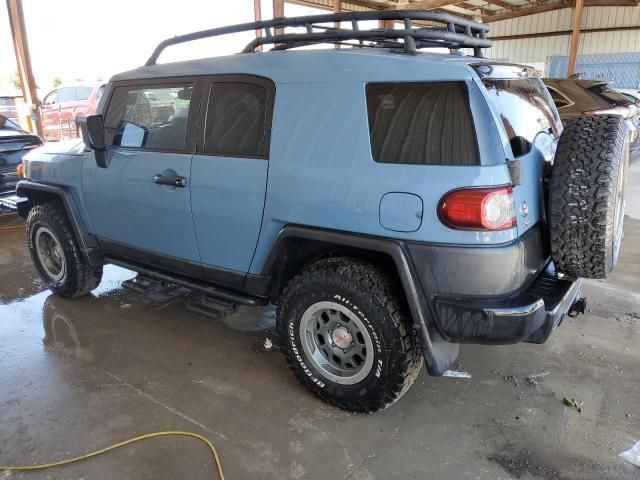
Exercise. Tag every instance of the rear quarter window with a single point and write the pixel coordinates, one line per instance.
(425, 123)
(526, 108)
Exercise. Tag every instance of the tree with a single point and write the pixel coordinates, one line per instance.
(15, 79)
(56, 82)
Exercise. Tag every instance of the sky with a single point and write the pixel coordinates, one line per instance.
(95, 39)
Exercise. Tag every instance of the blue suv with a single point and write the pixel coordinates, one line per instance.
(392, 202)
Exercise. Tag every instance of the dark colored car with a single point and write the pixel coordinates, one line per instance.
(14, 144)
(574, 97)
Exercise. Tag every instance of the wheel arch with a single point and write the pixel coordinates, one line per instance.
(296, 247)
(37, 193)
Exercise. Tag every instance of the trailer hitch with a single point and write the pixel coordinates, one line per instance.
(578, 307)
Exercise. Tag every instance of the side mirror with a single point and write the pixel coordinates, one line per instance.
(92, 130)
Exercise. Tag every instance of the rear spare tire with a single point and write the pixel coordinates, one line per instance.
(586, 195)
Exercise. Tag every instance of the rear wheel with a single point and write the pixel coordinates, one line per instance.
(56, 255)
(587, 192)
(346, 335)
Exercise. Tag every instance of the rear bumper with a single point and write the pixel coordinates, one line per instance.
(529, 316)
(497, 294)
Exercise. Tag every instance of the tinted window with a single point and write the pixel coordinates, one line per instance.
(237, 121)
(525, 107)
(7, 101)
(83, 93)
(421, 123)
(148, 117)
(66, 94)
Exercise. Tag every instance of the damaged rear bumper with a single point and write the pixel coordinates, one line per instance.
(529, 316)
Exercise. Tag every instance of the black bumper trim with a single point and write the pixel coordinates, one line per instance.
(529, 316)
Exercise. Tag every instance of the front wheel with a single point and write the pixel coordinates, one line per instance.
(345, 333)
(56, 255)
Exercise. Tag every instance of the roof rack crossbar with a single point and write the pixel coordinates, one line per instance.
(455, 32)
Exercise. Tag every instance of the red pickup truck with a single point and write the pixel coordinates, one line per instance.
(62, 106)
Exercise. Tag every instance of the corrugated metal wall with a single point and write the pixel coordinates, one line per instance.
(541, 48)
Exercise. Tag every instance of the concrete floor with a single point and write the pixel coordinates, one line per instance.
(79, 375)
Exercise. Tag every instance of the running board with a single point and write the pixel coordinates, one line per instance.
(223, 294)
(213, 308)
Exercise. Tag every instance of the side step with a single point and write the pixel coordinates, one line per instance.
(144, 285)
(223, 294)
(210, 307)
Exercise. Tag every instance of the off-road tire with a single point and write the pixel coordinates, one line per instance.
(584, 191)
(367, 292)
(79, 278)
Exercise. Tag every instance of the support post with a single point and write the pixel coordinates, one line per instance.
(337, 8)
(257, 12)
(278, 11)
(575, 37)
(23, 58)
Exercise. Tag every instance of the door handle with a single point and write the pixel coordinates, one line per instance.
(173, 181)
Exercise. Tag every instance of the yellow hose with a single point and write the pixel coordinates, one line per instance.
(122, 444)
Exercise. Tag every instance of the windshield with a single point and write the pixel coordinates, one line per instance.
(525, 108)
(6, 124)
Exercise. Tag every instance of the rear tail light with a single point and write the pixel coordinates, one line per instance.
(478, 209)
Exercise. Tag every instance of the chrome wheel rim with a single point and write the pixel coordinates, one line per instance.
(618, 225)
(50, 254)
(336, 342)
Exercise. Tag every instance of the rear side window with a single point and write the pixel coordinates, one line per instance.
(238, 120)
(559, 99)
(526, 109)
(421, 123)
(153, 117)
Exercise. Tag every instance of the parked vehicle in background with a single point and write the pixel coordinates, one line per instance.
(632, 94)
(15, 143)
(62, 106)
(389, 201)
(9, 106)
(575, 97)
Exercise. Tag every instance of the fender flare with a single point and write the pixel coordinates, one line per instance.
(438, 353)
(28, 190)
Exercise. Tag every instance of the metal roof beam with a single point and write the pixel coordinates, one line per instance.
(424, 4)
(548, 7)
(502, 3)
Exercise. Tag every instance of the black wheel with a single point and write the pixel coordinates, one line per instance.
(345, 333)
(587, 190)
(56, 255)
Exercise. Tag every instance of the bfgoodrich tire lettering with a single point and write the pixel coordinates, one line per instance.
(74, 277)
(367, 293)
(587, 195)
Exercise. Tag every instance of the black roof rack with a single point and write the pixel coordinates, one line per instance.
(444, 30)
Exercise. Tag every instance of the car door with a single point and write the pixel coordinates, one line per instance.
(139, 205)
(229, 173)
(67, 99)
(51, 116)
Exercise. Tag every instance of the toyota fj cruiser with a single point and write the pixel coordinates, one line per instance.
(393, 203)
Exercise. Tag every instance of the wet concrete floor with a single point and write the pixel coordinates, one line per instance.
(79, 375)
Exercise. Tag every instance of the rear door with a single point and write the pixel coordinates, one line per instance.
(140, 205)
(229, 173)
